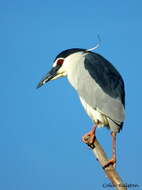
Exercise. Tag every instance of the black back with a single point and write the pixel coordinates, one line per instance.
(105, 75)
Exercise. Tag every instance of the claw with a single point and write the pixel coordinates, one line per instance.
(110, 162)
(89, 138)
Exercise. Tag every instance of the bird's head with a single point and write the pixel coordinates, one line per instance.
(61, 65)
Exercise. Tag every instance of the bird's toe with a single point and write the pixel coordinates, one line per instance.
(111, 162)
(88, 138)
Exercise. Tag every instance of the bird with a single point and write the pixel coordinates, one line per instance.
(100, 88)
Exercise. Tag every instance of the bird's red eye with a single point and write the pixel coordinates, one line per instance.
(60, 61)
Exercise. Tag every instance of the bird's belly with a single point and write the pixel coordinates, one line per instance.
(95, 114)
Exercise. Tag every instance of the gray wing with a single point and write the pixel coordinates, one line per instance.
(102, 87)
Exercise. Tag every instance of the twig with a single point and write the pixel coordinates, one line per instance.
(110, 170)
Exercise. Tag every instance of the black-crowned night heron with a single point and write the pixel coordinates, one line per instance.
(100, 88)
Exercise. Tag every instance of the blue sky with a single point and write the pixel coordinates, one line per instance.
(40, 133)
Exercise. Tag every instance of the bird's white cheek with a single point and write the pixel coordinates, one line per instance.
(62, 72)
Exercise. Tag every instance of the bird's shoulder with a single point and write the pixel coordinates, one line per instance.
(105, 75)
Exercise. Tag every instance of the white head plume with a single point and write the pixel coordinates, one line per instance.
(98, 44)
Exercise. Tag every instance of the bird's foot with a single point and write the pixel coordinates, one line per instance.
(111, 162)
(89, 138)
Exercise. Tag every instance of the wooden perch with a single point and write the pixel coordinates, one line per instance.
(110, 170)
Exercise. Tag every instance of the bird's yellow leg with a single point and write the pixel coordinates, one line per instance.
(112, 161)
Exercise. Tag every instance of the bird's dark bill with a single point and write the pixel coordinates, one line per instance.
(50, 75)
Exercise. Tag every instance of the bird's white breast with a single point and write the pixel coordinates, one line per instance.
(94, 114)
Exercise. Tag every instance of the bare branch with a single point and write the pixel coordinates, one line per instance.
(110, 170)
